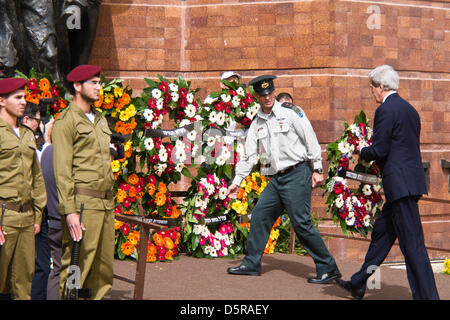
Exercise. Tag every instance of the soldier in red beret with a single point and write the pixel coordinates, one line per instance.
(22, 193)
(82, 164)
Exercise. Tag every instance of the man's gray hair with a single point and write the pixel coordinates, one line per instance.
(385, 75)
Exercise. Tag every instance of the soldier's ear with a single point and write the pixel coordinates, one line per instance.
(77, 86)
(2, 101)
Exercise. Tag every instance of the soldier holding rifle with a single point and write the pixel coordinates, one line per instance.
(82, 162)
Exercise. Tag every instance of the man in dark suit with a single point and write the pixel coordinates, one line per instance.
(396, 149)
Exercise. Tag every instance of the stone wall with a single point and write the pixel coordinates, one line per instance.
(321, 52)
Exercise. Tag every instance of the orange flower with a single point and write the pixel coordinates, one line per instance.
(132, 192)
(277, 223)
(241, 193)
(117, 224)
(108, 106)
(119, 127)
(133, 179)
(151, 188)
(63, 103)
(177, 238)
(46, 94)
(151, 257)
(126, 98)
(168, 243)
(162, 187)
(44, 84)
(99, 102)
(175, 212)
(127, 248)
(160, 199)
(133, 237)
(56, 115)
(121, 195)
(151, 249)
(169, 255)
(158, 239)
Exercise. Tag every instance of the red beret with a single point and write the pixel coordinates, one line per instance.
(83, 73)
(8, 85)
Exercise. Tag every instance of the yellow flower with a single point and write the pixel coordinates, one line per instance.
(118, 92)
(131, 110)
(115, 166)
(108, 98)
(447, 266)
(124, 115)
(240, 207)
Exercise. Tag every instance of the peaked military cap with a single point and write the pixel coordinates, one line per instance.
(83, 72)
(8, 85)
(263, 84)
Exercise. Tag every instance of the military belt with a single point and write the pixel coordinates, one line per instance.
(16, 207)
(288, 169)
(94, 193)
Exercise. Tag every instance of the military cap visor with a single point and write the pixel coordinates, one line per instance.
(83, 73)
(8, 85)
(263, 84)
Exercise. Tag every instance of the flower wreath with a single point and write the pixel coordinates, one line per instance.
(207, 199)
(42, 86)
(354, 209)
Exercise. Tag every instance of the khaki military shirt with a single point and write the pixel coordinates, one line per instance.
(280, 139)
(81, 158)
(21, 180)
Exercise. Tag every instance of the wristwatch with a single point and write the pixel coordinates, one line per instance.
(320, 171)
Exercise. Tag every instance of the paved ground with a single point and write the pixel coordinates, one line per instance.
(284, 277)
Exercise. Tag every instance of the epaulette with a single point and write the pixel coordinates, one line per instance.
(294, 108)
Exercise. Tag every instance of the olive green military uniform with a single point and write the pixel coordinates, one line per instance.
(83, 175)
(22, 191)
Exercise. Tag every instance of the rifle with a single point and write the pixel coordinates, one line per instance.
(72, 288)
(3, 296)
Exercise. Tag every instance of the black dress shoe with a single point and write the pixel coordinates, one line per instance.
(356, 293)
(326, 277)
(243, 270)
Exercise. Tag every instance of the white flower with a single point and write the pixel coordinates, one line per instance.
(350, 221)
(339, 201)
(175, 96)
(156, 93)
(190, 97)
(344, 147)
(162, 154)
(209, 100)
(251, 113)
(160, 104)
(210, 188)
(223, 193)
(355, 129)
(367, 190)
(192, 135)
(225, 251)
(184, 122)
(236, 101)
(220, 161)
(217, 245)
(240, 91)
(190, 110)
(148, 144)
(179, 167)
(220, 119)
(212, 117)
(161, 168)
(180, 155)
(197, 229)
(148, 115)
(368, 206)
(173, 87)
(257, 106)
(225, 97)
(366, 220)
(376, 187)
(211, 141)
(225, 153)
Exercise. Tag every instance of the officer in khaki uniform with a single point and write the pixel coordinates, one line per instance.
(287, 140)
(22, 193)
(82, 165)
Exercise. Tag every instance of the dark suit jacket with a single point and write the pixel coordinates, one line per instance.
(54, 217)
(396, 149)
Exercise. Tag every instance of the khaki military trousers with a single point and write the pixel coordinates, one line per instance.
(17, 254)
(96, 254)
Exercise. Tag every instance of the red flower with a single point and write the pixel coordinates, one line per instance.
(125, 228)
(246, 121)
(164, 86)
(338, 188)
(344, 163)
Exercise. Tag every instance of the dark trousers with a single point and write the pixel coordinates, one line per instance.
(291, 191)
(55, 241)
(42, 268)
(400, 219)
